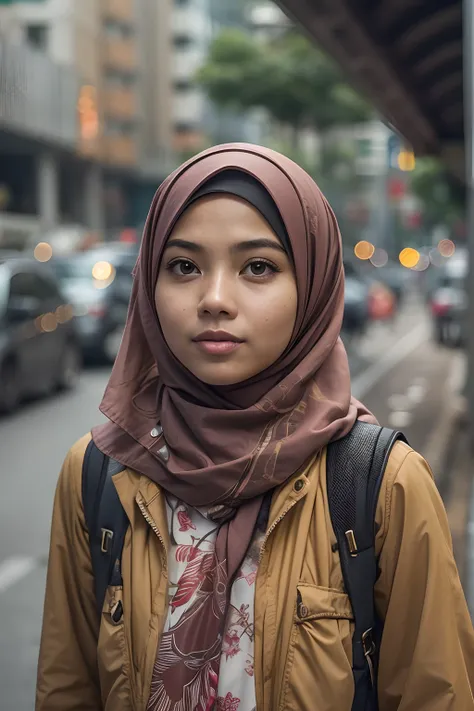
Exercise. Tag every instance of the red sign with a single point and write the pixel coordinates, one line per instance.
(396, 188)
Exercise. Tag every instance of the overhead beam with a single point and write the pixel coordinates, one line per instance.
(339, 31)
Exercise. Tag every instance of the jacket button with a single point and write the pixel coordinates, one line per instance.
(299, 483)
(303, 611)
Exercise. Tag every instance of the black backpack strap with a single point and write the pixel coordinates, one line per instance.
(105, 518)
(355, 469)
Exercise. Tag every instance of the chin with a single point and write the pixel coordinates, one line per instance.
(218, 377)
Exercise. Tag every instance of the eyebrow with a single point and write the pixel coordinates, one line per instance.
(261, 243)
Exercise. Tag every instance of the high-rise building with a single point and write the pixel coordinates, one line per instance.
(91, 108)
(190, 37)
(195, 120)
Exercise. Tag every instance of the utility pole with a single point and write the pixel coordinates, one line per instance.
(468, 57)
(468, 51)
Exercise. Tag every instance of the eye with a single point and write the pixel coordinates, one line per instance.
(182, 267)
(261, 268)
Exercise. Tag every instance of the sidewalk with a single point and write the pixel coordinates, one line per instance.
(410, 383)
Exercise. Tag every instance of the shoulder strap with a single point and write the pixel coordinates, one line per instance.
(355, 469)
(105, 518)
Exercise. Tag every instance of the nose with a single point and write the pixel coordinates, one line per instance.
(218, 297)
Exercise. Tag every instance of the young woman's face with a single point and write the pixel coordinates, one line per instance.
(226, 293)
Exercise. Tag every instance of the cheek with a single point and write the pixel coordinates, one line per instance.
(171, 310)
(275, 314)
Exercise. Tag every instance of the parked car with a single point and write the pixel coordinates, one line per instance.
(356, 302)
(39, 351)
(382, 302)
(98, 284)
(396, 279)
(448, 301)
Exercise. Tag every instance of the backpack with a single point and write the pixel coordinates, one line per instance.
(355, 468)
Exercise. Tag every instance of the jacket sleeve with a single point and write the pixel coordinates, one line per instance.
(427, 648)
(67, 669)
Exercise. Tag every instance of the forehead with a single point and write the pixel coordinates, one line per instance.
(222, 213)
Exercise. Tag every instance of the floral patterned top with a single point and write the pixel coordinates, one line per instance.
(229, 681)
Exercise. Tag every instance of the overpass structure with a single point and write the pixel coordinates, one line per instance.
(406, 56)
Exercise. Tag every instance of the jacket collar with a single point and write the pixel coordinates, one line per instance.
(134, 488)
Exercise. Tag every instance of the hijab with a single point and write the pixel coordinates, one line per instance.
(225, 448)
(244, 186)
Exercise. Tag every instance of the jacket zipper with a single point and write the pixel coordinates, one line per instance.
(151, 523)
(272, 528)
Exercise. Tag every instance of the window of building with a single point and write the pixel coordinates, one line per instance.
(183, 85)
(119, 80)
(118, 127)
(37, 36)
(184, 127)
(182, 41)
(117, 30)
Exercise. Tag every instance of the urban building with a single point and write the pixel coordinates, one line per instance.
(99, 100)
(196, 121)
(191, 35)
(85, 112)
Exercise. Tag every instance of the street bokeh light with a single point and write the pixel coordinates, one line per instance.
(446, 248)
(379, 258)
(43, 252)
(364, 250)
(409, 257)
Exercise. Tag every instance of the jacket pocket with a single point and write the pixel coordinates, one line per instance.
(318, 671)
(111, 652)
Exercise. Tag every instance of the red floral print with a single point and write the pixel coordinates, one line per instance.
(249, 667)
(220, 675)
(229, 703)
(192, 578)
(185, 521)
(210, 705)
(231, 644)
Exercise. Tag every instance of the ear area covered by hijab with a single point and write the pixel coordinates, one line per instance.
(225, 446)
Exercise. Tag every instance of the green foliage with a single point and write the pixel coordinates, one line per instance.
(443, 199)
(290, 78)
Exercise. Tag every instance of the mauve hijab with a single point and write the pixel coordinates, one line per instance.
(226, 445)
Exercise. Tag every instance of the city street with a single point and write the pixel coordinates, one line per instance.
(397, 370)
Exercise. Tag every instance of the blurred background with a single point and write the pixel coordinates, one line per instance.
(101, 99)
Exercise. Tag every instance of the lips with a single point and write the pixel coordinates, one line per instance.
(217, 337)
(217, 343)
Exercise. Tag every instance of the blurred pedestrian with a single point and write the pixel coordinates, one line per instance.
(236, 582)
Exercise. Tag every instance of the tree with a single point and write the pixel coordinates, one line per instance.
(288, 77)
(443, 198)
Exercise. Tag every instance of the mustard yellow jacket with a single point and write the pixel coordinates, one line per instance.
(301, 663)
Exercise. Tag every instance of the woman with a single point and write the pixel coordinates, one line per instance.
(230, 382)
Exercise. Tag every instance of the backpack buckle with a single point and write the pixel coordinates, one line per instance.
(107, 536)
(351, 542)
